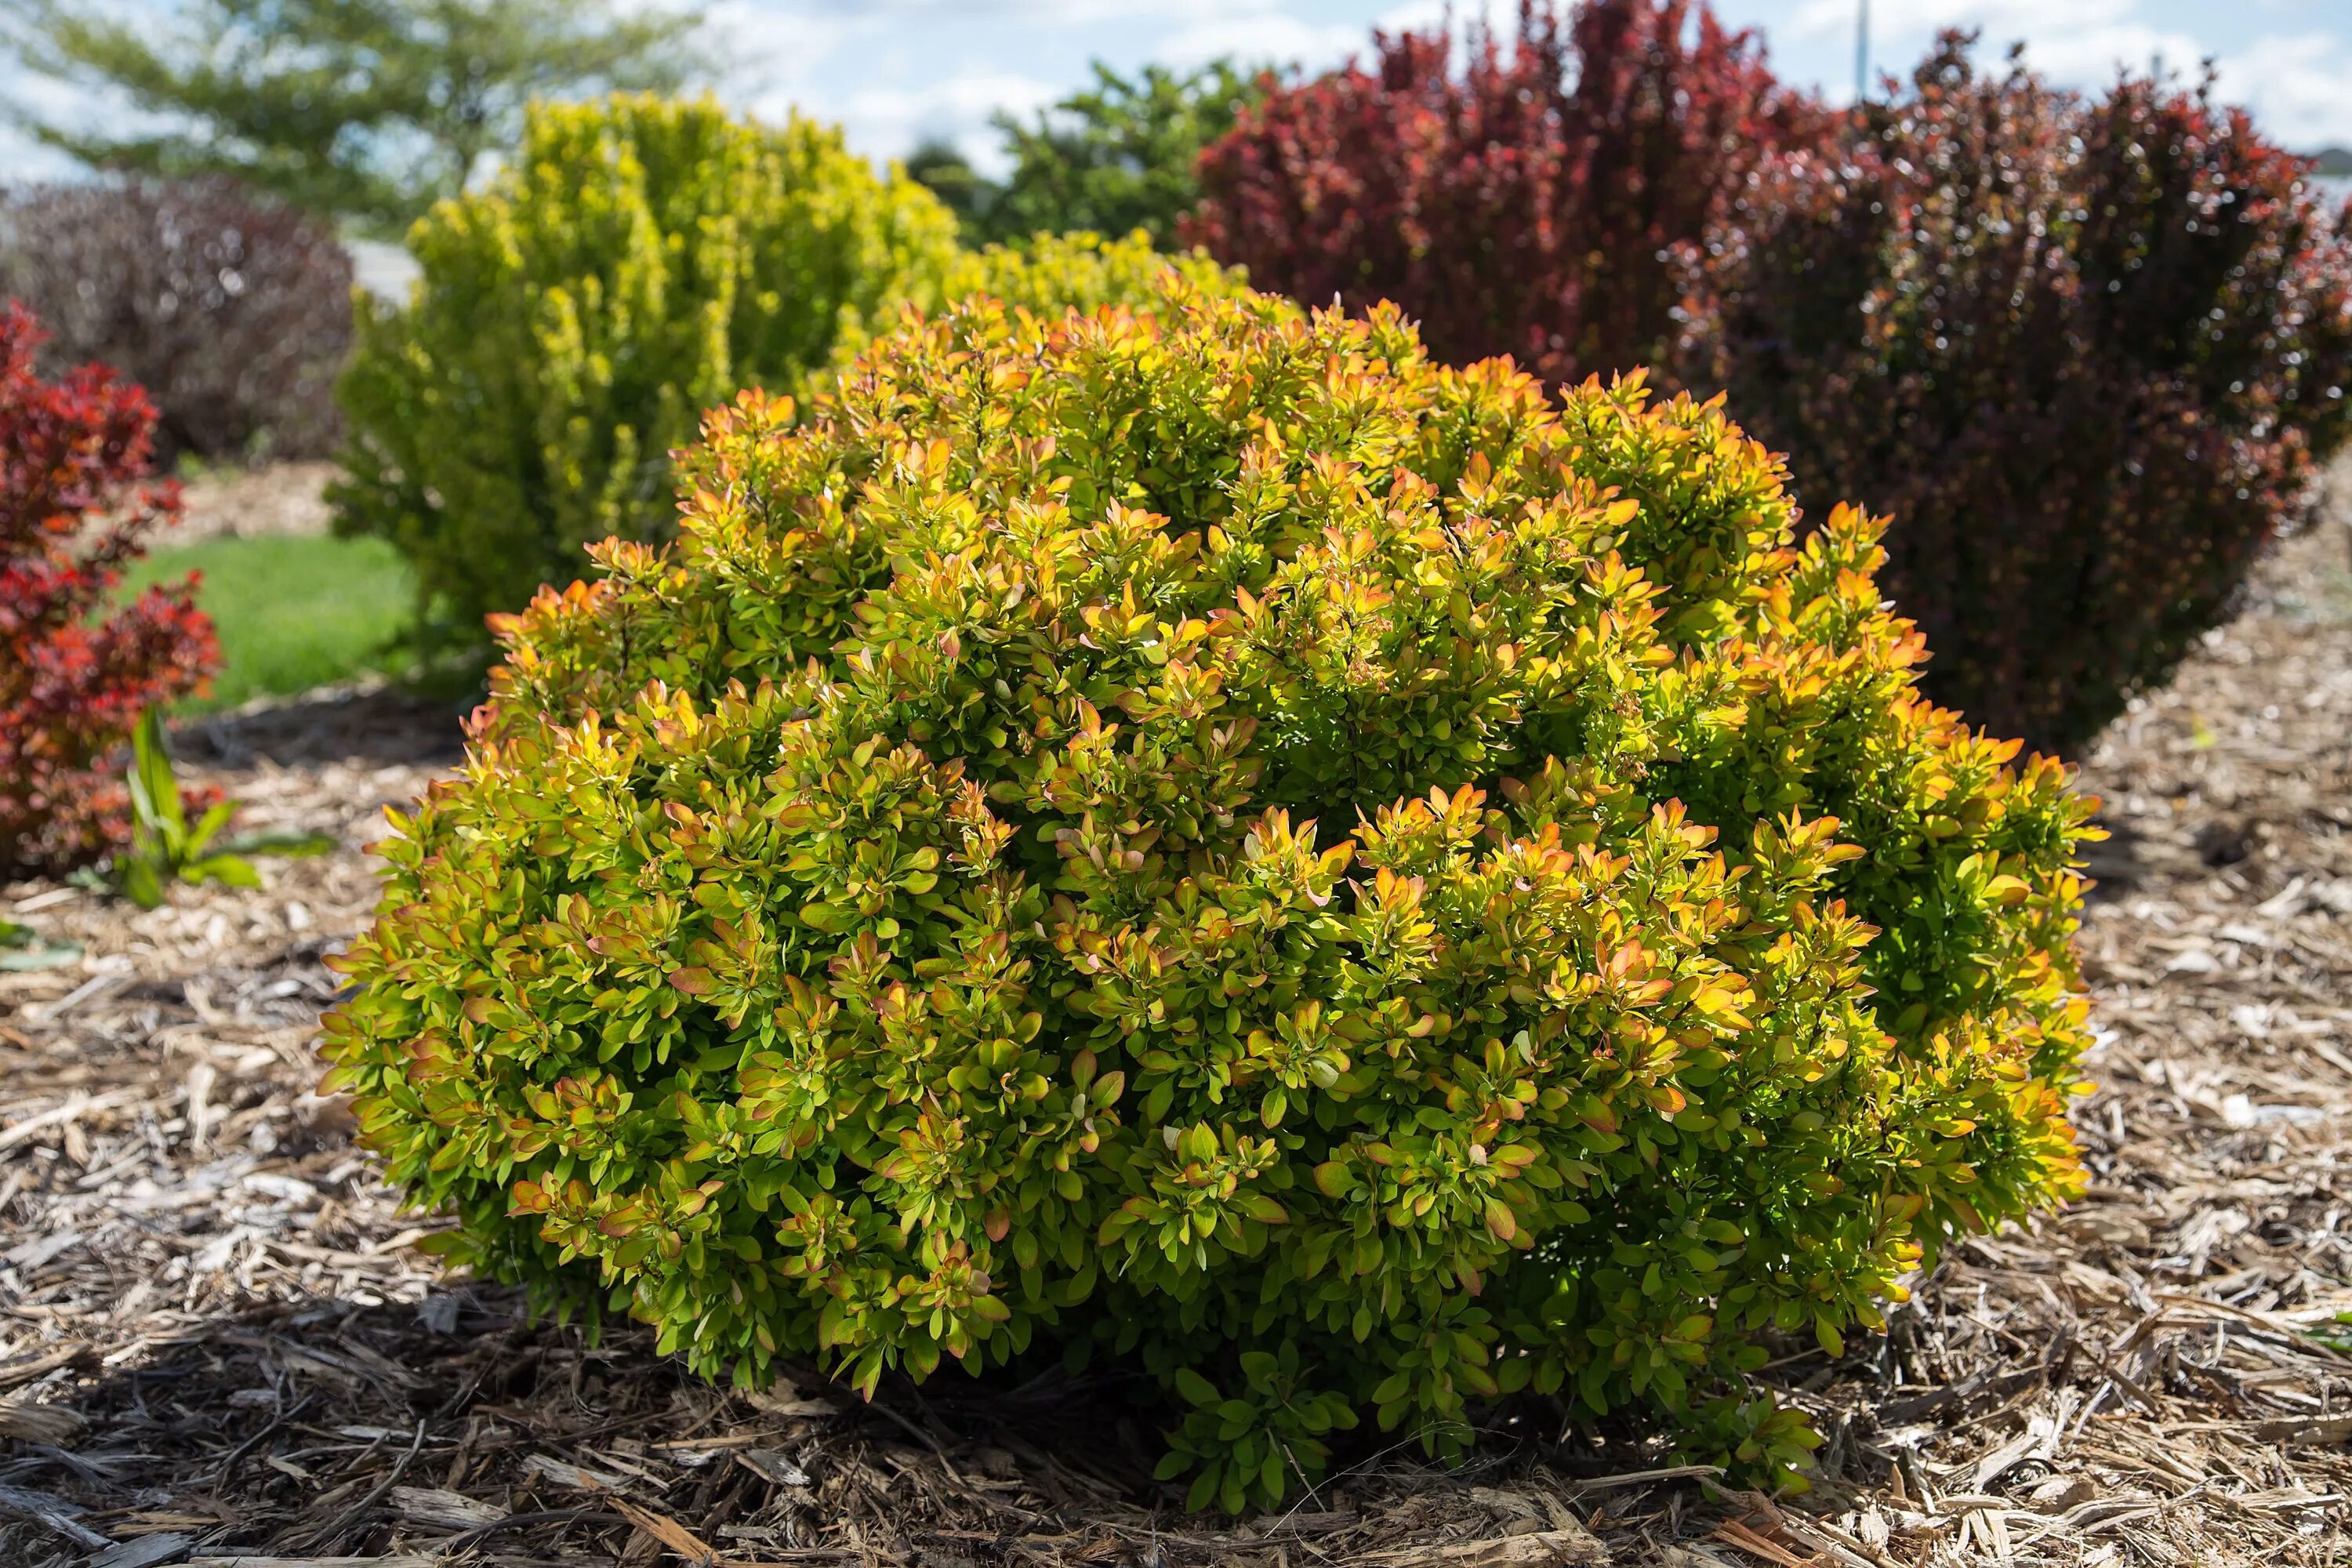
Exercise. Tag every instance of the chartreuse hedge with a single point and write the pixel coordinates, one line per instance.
(1202, 838)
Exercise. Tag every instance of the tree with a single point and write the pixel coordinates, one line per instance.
(365, 110)
(939, 166)
(1113, 159)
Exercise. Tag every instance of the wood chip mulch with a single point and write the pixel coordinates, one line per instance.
(219, 1345)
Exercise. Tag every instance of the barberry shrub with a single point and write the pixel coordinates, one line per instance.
(1050, 274)
(639, 260)
(1202, 838)
(2088, 354)
(1522, 205)
(234, 313)
(77, 669)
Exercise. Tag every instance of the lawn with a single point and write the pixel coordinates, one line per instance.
(293, 611)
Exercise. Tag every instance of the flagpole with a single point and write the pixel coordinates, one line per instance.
(1861, 54)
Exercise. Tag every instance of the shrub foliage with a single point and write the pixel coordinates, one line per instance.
(76, 670)
(2088, 355)
(234, 314)
(1051, 274)
(1203, 838)
(1518, 207)
(639, 260)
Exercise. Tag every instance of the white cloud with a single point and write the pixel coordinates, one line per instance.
(1262, 40)
(2297, 86)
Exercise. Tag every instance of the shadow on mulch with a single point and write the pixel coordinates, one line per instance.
(331, 1428)
(368, 723)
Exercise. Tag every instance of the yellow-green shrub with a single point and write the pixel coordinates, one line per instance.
(640, 261)
(1205, 838)
(1053, 273)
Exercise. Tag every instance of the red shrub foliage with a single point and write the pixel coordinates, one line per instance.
(1519, 207)
(73, 678)
(2087, 353)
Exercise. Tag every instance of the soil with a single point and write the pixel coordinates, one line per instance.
(219, 1342)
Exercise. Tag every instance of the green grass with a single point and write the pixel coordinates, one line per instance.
(292, 611)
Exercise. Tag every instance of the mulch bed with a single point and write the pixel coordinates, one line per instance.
(218, 1344)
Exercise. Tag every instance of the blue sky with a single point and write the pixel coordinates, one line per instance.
(895, 70)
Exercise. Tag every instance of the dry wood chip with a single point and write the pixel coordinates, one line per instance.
(438, 1507)
(578, 1476)
(1528, 1550)
(145, 1551)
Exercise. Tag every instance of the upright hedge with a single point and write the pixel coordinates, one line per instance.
(1521, 205)
(232, 311)
(2090, 355)
(638, 262)
(77, 666)
(1203, 838)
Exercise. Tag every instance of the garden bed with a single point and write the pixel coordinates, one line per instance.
(216, 1336)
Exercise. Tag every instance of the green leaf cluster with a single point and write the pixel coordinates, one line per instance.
(640, 261)
(1200, 838)
(1116, 156)
(1050, 273)
(166, 848)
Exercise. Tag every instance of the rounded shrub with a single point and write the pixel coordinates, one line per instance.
(1202, 839)
(2090, 353)
(1051, 274)
(639, 260)
(233, 312)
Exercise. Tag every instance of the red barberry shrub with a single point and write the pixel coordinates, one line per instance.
(2088, 354)
(1520, 206)
(76, 670)
(234, 313)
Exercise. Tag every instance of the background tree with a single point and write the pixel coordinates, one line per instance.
(1115, 158)
(367, 109)
(939, 164)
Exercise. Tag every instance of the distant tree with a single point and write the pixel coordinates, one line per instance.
(366, 109)
(1113, 159)
(963, 190)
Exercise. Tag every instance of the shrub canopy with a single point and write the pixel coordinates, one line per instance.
(1203, 837)
(232, 311)
(638, 262)
(641, 261)
(2089, 354)
(1521, 203)
(78, 666)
